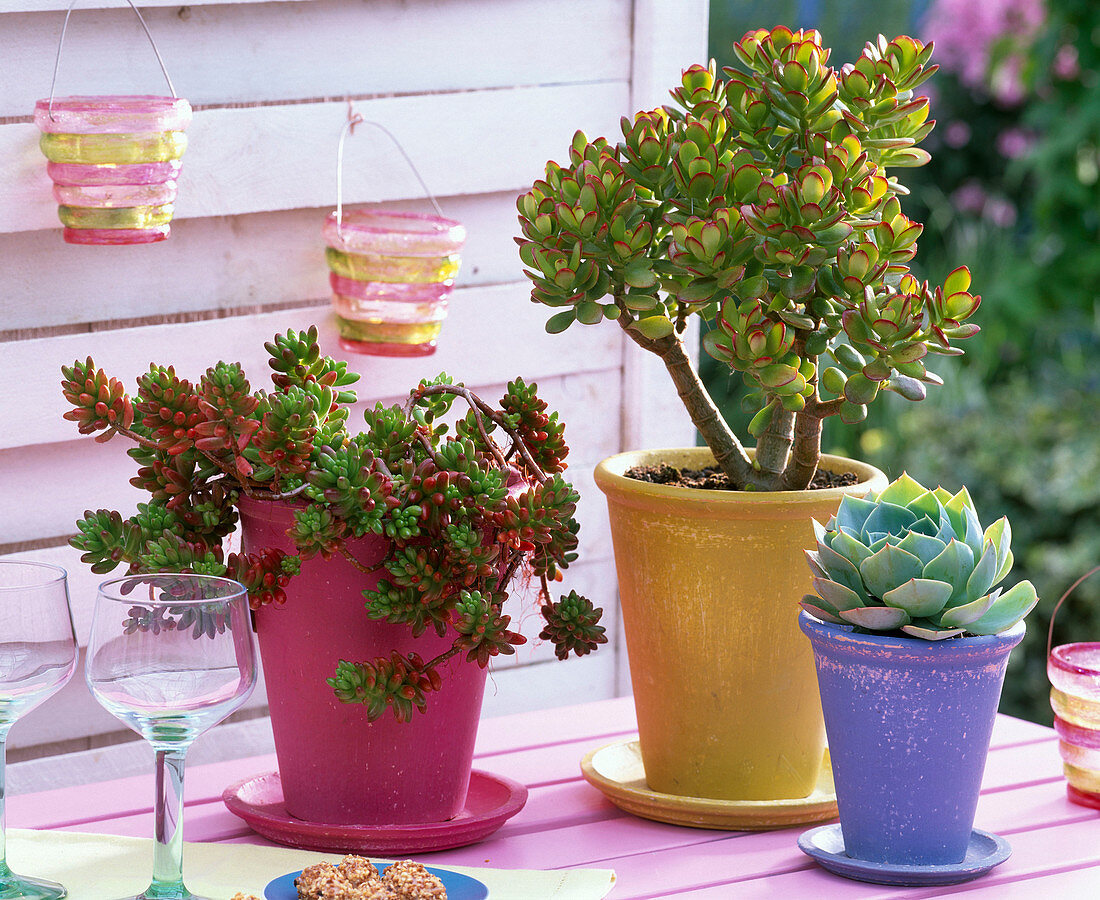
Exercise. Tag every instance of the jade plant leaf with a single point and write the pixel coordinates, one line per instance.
(920, 597)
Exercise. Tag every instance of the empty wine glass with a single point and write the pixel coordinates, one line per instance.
(37, 657)
(171, 656)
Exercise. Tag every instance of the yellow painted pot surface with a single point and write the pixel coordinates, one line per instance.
(709, 581)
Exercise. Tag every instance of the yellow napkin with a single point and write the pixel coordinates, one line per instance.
(102, 866)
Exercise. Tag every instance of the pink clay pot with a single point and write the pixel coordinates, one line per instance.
(335, 766)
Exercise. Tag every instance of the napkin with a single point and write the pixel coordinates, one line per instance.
(99, 866)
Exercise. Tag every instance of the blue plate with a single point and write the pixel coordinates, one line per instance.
(459, 886)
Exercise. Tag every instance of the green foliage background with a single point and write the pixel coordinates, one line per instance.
(1018, 420)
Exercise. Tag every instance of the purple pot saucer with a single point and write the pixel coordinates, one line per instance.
(490, 802)
(825, 845)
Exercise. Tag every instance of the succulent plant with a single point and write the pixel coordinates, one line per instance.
(761, 203)
(464, 514)
(915, 560)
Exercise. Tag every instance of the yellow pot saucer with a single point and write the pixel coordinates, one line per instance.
(617, 771)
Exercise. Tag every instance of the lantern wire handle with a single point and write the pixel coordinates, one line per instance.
(61, 43)
(1061, 600)
(349, 128)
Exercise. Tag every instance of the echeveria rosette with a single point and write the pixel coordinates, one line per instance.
(918, 561)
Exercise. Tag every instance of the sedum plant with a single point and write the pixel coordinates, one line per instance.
(915, 560)
(465, 514)
(763, 203)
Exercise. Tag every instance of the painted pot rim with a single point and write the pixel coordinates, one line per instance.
(1061, 658)
(844, 638)
(610, 478)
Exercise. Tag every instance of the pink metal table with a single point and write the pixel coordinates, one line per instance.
(567, 823)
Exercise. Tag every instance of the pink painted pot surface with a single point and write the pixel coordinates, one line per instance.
(336, 767)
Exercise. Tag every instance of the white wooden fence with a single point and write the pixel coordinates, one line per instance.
(480, 92)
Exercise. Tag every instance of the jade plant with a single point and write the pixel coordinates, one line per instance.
(764, 205)
(917, 561)
(464, 513)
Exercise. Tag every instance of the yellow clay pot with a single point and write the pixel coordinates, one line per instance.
(709, 583)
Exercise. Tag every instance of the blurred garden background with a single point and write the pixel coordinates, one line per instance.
(1012, 192)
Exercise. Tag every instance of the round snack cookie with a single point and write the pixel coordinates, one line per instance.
(358, 870)
(411, 881)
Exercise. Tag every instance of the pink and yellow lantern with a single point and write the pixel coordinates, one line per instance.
(1074, 673)
(391, 275)
(114, 161)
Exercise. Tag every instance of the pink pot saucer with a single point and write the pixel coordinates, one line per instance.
(490, 802)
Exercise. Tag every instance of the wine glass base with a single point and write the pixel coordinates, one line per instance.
(155, 893)
(16, 886)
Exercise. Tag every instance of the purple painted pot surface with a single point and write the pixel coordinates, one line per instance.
(336, 767)
(908, 723)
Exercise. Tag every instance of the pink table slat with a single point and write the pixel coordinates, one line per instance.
(568, 823)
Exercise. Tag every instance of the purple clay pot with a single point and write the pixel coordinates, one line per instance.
(908, 723)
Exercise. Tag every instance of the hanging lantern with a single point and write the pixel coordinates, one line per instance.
(114, 163)
(391, 275)
(1074, 673)
(114, 160)
(391, 272)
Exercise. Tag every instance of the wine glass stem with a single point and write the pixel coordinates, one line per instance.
(168, 852)
(4, 870)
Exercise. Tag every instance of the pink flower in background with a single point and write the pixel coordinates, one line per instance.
(1066, 65)
(973, 199)
(967, 32)
(956, 134)
(1000, 212)
(970, 198)
(1012, 143)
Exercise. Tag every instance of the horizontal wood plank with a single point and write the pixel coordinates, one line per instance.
(492, 333)
(256, 159)
(46, 5)
(47, 487)
(249, 262)
(232, 53)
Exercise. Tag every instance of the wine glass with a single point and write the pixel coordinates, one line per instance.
(37, 657)
(171, 656)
